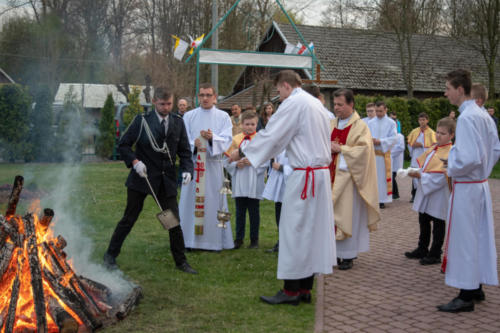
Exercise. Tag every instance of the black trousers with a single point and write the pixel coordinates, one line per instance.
(395, 191)
(252, 205)
(438, 233)
(135, 202)
(277, 212)
(296, 285)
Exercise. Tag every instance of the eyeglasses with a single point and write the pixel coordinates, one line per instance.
(205, 95)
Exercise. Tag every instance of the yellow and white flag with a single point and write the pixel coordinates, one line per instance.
(180, 47)
(195, 43)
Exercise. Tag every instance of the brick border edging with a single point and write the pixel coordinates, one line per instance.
(319, 307)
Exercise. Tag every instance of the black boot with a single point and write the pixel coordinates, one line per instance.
(238, 243)
(281, 298)
(254, 244)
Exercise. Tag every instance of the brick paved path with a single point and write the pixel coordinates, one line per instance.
(386, 292)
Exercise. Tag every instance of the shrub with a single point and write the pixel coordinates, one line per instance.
(106, 136)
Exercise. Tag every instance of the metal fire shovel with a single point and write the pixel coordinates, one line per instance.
(166, 217)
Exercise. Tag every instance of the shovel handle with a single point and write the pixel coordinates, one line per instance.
(153, 193)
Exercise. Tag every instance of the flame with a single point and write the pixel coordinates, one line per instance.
(19, 266)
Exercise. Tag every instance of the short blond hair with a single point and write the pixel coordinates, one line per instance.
(479, 91)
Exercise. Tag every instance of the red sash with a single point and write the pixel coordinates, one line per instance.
(308, 170)
(339, 136)
(445, 255)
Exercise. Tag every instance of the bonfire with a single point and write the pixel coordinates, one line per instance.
(39, 291)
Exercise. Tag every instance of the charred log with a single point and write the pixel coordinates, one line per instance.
(48, 214)
(36, 274)
(130, 302)
(60, 243)
(5, 257)
(14, 296)
(72, 300)
(63, 320)
(15, 195)
(10, 230)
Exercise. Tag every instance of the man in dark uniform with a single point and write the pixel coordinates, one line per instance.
(159, 136)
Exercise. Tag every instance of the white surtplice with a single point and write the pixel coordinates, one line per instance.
(213, 238)
(432, 193)
(276, 180)
(383, 129)
(306, 230)
(472, 256)
(398, 154)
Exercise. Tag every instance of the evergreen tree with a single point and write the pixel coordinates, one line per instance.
(42, 133)
(15, 109)
(135, 108)
(106, 136)
(68, 141)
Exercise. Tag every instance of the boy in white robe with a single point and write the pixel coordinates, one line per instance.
(419, 140)
(275, 187)
(432, 195)
(215, 126)
(470, 258)
(397, 159)
(306, 230)
(384, 133)
(247, 183)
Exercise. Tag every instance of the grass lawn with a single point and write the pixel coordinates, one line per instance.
(222, 298)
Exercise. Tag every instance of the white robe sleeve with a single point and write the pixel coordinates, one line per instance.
(432, 182)
(273, 139)
(390, 139)
(467, 152)
(187, 124)
(399, 147)
(230, 167)
(222, 136)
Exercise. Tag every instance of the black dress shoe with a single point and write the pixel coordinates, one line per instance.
(457, 305)
(479, 296)
(237, 244)
(186, 268)
(416, 254)
(430, 261)
(395, 197)
(109, 261)
(381, 205)
(253, 245)
(281, 298)
(346, 264)
(306, 298)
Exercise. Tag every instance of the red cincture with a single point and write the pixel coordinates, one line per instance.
(308, 170)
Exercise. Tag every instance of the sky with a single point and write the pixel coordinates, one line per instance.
(311, 15)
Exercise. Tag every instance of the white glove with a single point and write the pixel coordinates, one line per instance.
(141, 170)
(186, 178)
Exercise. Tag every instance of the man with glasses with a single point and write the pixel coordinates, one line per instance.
(215, 127)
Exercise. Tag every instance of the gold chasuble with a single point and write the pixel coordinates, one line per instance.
(359, 154)
(429, 136)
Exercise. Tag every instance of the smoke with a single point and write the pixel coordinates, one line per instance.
(65, 199)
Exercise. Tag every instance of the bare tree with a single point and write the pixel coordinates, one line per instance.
(477, 24)
(342, 13)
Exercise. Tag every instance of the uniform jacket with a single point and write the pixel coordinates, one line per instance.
(161, 170)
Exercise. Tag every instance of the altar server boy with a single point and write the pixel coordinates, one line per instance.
(247, 183)
(433, 192)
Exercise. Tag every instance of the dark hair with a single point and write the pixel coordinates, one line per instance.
(347, 93)
(208, 86)
(448, 123)
(393, 113)
(249, 114)
(380, 103)
(236, 105)
(370, 105)
(460, 78)
(162, 93)
(288, 76)
(423, 115)
(312, 89)
(250, 108)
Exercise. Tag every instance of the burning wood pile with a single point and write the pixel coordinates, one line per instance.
(39, 291)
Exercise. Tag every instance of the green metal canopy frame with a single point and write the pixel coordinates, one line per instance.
(252, 58)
